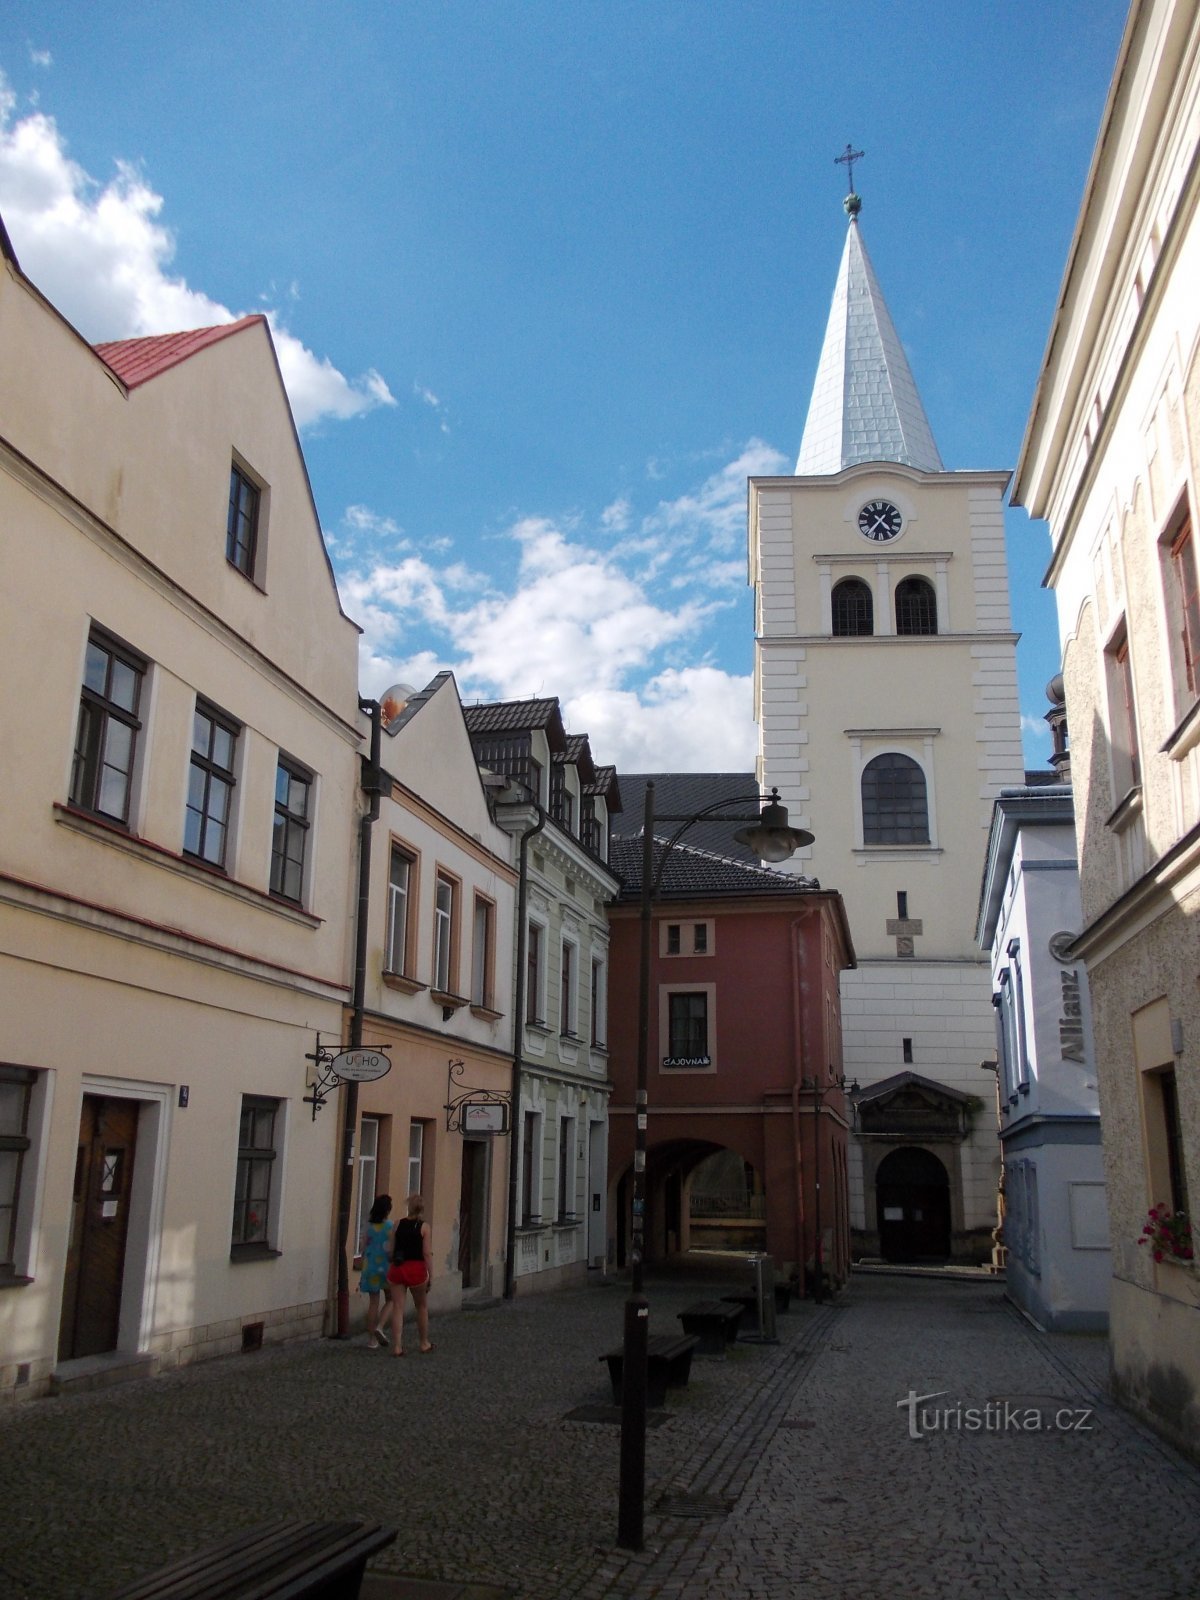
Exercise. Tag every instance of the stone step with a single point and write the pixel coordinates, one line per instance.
(101, 1372)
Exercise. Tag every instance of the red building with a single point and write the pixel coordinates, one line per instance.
(745, 1052)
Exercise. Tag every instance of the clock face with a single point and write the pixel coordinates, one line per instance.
(880, 520)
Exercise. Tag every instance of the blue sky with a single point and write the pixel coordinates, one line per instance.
(550, 279)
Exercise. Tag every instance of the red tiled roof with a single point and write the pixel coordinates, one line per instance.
(136, 361)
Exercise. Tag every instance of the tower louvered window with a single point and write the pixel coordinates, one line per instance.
(916, 606)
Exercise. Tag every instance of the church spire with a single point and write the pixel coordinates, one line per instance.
(865, 405)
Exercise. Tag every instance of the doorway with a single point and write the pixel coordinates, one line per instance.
(104, 1159)
(912, 1194)
(472, 1212)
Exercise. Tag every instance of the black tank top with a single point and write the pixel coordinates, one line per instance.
(409, 1244)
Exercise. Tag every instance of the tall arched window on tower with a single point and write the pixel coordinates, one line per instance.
(916, 606)
(853, 615)
(895, 807)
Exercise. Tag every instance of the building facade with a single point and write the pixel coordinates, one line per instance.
(1110, 461)
(175, 868)
(744, 1067)
(557, 803)
(886, 702)
(1055, 1234)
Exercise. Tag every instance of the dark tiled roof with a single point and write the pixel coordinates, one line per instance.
(692, 874)
(605, 784)
(138, 360)
(518, 716)
(683, 794)
(579, 751)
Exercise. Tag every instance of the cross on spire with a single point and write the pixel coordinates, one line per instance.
(847, 160)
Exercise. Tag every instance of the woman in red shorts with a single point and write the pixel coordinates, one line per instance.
(411, 1269)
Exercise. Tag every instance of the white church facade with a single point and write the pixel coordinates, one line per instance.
(887, 709)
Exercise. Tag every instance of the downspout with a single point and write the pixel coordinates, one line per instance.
(371, 780)
(510, 1238)
(797, 1083)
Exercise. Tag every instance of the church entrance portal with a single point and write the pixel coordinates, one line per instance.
(912, 1194)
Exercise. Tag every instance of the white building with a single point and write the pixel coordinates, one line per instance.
(179, 706)
(1055, 1220)
(886, 700)
(1111, 460)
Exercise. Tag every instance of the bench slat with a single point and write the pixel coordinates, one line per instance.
(282, 1561)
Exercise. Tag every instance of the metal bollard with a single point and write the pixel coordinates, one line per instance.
(764, 1289)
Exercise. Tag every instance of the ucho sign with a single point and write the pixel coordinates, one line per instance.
(360, 1066)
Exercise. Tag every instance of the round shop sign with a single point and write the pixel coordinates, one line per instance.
(360, 1066)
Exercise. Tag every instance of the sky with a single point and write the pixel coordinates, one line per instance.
(548, 280)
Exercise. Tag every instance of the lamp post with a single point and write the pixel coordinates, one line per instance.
(819, 1092)
(771, 839)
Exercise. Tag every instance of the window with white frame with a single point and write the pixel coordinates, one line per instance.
(368, 1171)
(16, 1094)
(566, 993)
(290, 834)
(1181, 590)
(483, 953)
(416, 1156)
(210, 784)
(566, 1169)
(109, 726)
(256, 1189)
(531, 1169)
(535, 973)
(1122, 715)
(398, 943)
(444, 901)
(599, 1004)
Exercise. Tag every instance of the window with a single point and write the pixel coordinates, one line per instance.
(566, 993)
(16, 1088)
(916, 606)
(674, 931)
(531, 1171)
(416, 1156)
(906, 1051)
(241, 533)
(562, 801)
(289, 841)
(443, 934)
(107, 734)
(894, 805)
(1122, 708)
(853, 609)
(399, 905)
(534, 988)
(534, 781)
(210, 785)
(700, 938)
(482, 954)
(1183, 611)
(566, 1169)
(368, 1171)
(255, 1172)
(688, 1027)
(599, 1005)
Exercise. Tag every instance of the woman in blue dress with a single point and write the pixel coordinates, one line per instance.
(375, 1248)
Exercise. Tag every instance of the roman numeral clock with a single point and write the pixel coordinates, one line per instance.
(880, 521)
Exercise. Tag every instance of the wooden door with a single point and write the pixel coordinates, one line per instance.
(100, 1223)
(472, 1212)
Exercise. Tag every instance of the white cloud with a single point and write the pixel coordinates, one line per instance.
(695, 719)
(102, 256)
(41, 58)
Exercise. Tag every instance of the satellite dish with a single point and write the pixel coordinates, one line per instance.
(392, 705)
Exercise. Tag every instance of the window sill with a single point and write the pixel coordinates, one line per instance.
(565, 1224)
(397, 980)
(537, 1025)
(1127, 812)
(1185, 737)
(13, 1280)
(886, 852)
(530, 1225)
(486, 1014)
(448, 1001)
(113, 833)
(569, 1037)
(253, 1252)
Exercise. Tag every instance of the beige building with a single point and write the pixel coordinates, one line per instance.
(1111, 459)
(439, 993)
(886, 700)
(176, 865)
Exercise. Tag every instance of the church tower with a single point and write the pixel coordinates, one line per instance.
(887, 709)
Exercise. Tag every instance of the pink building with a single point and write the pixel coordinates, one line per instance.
(746, 1139)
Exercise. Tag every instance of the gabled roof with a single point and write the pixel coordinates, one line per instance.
(888, 1088)
(579, 754)
(518, 716)
(693, 874)
(136, 361)
(865, 405)
(604, 784)
(684, 794)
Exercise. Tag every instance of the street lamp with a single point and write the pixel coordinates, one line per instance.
(772, 839)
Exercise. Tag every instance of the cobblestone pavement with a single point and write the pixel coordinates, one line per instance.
(783, 1469)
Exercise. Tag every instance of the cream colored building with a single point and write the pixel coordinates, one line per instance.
(439, 992)
(886, 700)
(179, 788)
(1111, 459)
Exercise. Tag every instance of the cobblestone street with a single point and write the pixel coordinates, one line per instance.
(782, 1469)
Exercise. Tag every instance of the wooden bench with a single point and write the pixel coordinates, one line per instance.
(668, 1363)
(282, 1561)
(714, 1322)
(748, 1300)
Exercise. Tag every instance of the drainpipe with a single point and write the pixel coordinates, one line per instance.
(510, 1238)
(797, 1082)
(372, 784)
